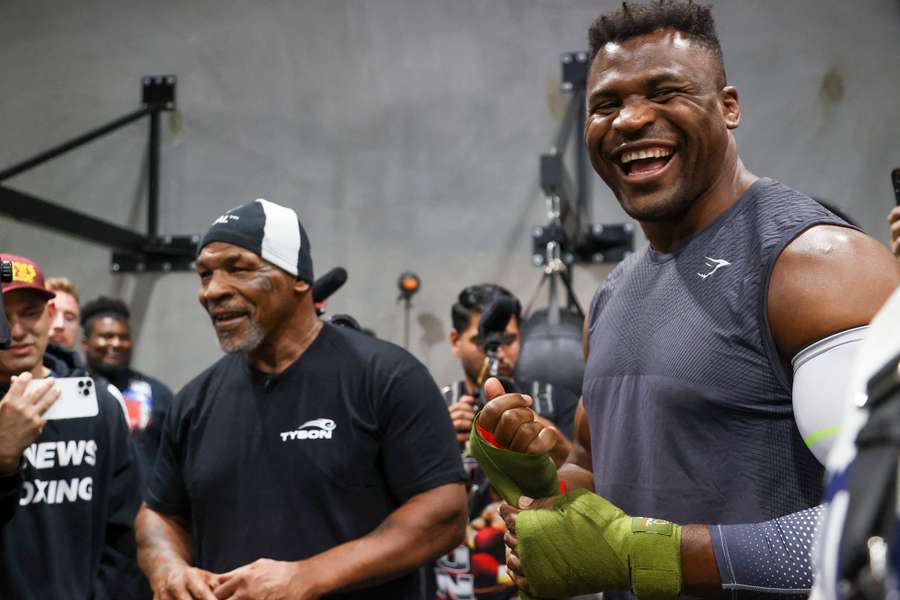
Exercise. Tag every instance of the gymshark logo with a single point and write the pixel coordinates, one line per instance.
(317, 429)
(226, 218)
(715, 264)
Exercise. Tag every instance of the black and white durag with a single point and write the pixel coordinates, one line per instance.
(269, 230)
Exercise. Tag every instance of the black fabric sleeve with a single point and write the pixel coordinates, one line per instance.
(771, 558)
(165, 492)
(162, 403)
(10, 491)
(119, 575)
(419, 449)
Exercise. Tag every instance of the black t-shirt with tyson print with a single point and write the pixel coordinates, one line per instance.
(288, 466)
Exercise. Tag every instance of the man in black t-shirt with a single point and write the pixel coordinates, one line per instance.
(68, 486)
(311, 460)
(107, 346)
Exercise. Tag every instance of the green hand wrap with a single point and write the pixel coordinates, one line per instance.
(586, 544)
(514, 474)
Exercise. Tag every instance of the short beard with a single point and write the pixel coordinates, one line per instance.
(672, 209)
(246, 343)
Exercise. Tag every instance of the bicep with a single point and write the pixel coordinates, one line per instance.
(829, 279)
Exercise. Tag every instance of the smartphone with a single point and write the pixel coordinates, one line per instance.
(895, 179)
(78, 398)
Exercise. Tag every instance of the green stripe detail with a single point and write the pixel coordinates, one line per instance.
(820, 435)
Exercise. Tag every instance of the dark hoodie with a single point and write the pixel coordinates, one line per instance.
(67, 515)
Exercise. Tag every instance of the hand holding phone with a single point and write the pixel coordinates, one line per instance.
(22, 420)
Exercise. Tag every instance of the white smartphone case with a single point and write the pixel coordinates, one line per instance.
(77, 400)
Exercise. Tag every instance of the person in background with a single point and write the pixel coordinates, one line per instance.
(477, 567)
(107, 346)
(69, 488)
(64, 329)
(462, 395)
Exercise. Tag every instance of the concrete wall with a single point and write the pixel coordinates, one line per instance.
(405, 132)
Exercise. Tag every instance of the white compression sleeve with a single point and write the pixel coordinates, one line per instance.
(821, 388)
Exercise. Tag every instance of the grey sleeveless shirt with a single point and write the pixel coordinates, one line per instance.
(688, 404)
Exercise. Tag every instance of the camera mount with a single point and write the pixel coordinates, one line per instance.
(552, 337)
(568, 198)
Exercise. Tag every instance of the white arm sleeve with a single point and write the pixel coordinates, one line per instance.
(822, 387)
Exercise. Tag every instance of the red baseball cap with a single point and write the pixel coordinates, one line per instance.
(27, 275)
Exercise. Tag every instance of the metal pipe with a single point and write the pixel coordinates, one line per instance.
(153, 177)
(582, 168)
(73, 143)
(407, 307)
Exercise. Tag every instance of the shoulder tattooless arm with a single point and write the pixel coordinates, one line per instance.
(821, 387)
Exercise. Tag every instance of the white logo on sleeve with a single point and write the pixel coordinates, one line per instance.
(714, 264)
(317, 429)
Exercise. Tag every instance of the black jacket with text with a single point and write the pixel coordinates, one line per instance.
(66, 516)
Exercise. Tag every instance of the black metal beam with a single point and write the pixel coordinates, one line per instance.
(36, 211)
(136, 253)
(74, 143)
(153, 177)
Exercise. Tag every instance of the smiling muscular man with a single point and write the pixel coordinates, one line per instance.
(694, 410)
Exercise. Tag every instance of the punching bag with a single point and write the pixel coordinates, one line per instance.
(551, 349)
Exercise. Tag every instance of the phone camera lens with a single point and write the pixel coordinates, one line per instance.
(90, 382)
(81, 384)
